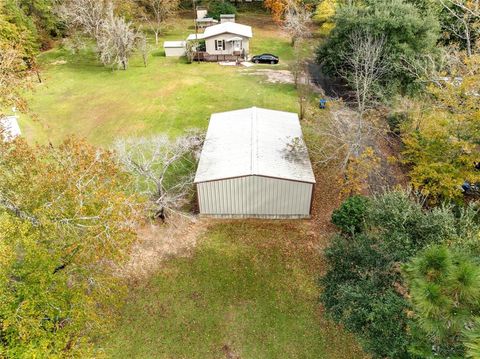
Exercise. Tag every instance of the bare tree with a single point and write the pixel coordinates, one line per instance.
(348, 135)
(158, 12)
(366, 64)
(297, 20)
(86, 16)
(191, 50)
(142, 46)
(116, 41)
(163, 169)
(344, 137)
(467, 20)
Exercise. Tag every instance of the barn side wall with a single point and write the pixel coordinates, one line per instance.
(255, 197)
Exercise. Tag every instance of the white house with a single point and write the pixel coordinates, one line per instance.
(254, 163)
(226, 41)
(174, 48)
(10, 128)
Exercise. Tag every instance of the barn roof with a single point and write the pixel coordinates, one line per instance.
(10, 125)
(254, 141)
(174, 44)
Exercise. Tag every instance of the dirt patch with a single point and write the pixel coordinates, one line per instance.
(274, 76)
(157, 243)
(59, 62)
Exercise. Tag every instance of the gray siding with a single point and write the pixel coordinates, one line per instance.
(255, 196)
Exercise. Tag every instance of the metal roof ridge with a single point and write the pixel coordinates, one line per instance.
(253, 141)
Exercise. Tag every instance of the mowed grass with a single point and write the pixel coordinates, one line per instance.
(248, 291)
(81, 97)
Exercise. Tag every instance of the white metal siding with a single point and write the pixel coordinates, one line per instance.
(255, 196)
(175, 51)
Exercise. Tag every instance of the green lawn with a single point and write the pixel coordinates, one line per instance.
(249, 290)
(81, 97)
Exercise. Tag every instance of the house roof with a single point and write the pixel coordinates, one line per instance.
(207, 19)
(225, 28)
(228, 27)
(254, 141)
(195, 36)
(174, 44)
(10, 125)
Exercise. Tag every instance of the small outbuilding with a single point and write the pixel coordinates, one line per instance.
(227, 18)
(10, 128)
(254, 164)
(174, 48)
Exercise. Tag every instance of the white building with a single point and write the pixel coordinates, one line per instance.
(225, 41)
(255, 164)
(227, 18)
(10, 128)
(174, 48)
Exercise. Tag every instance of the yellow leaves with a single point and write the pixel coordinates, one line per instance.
(324, 15)
(441, 139)
(56, 275)
(358, 169)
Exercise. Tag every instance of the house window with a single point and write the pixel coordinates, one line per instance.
(219, 45)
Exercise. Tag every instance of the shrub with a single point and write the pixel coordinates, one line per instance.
(218, 8)
(350, 217)
(363, 288)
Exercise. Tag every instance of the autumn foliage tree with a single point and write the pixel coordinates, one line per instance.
(67, 219)
(278, 8)
(442, 140)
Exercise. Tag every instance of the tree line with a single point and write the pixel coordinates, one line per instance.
(403, 269)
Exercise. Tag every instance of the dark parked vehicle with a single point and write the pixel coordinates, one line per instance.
(265, 59)
(472, 189)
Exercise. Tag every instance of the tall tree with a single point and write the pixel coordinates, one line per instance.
(67, 220)
(117, 40)
(462, 22)
(406, 31)
(444, 286)
(442, 138)
(158, 12)
(297, 20)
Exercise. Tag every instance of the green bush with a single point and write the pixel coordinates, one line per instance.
(350, 217)
(218, 8)
(364, 289)
(395, 120)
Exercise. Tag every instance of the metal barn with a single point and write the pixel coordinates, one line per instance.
(254, 164)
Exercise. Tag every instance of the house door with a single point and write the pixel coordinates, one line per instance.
(237, 45)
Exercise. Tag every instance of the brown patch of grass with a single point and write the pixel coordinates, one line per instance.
(157, 243)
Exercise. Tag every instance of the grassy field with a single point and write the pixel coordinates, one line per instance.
(248, 291)
(81, 97)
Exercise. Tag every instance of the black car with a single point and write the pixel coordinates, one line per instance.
(265, 59)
